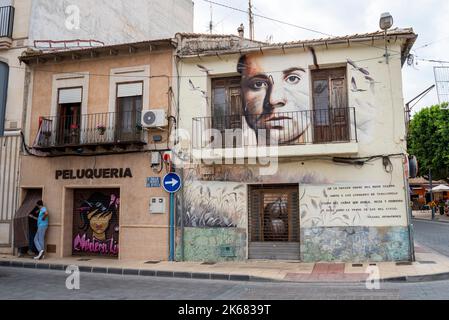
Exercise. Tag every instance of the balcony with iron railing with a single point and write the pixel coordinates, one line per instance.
(311, 132)
(90, 130)
(6, 26)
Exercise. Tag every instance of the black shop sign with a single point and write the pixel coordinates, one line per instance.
(108, 173)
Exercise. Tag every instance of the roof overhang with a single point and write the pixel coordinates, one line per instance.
(37, 57)
(407, 36)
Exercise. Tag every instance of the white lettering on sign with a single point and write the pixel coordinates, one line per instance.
(375, 205)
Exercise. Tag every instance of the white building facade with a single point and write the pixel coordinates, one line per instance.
(298, 149)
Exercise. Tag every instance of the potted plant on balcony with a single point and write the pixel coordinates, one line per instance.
(101, 129)
(74, 130)
(139, 127)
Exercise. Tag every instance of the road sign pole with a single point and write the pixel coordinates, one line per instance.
(172, 183)
(172, 227)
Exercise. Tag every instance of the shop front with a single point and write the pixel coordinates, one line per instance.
(101, 206)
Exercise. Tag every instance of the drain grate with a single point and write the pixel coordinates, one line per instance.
(403, 263)
(208, 263)
(427, 262)
(357, 265)
(152, 262)
(84, 259)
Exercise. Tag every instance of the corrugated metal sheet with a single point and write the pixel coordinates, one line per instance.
(9, 175)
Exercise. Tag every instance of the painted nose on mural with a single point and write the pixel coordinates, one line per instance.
(277, 97)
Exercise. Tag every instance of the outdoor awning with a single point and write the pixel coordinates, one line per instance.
(21, 218)
(441, 188)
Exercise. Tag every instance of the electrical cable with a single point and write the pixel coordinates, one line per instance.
(287, 23)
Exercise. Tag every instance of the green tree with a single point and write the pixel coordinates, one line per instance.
(429, 140)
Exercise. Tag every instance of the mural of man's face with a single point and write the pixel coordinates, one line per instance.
(274, 94)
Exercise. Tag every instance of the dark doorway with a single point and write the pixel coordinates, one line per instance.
(69, 124)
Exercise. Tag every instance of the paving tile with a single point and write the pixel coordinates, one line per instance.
(321, 268)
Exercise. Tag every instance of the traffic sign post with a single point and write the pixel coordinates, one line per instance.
(172, 183)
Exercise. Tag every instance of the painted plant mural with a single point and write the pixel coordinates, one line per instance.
(96, 224)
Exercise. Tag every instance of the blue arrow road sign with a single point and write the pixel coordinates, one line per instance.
(172, 183)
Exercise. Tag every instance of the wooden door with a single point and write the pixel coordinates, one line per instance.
(69, 124)
(330, 107)
(128, 109)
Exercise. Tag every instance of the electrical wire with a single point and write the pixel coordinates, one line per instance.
(288, 23)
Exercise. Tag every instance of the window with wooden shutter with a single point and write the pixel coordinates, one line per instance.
(226, 104)
(330, 106)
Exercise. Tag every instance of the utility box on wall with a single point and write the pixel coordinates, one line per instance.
(158, 205)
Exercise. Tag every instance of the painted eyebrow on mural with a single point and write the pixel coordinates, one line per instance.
(290, 70)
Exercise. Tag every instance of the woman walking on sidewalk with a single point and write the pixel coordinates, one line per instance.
(42, 226)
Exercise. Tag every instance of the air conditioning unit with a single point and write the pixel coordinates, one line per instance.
(154, 118)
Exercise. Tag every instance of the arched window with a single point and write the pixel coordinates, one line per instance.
(4, 76)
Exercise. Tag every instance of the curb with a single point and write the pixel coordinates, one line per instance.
(204, 276)
(427, 220)
(138, 272)
(416, 279)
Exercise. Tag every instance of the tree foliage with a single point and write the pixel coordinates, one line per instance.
(429, 140)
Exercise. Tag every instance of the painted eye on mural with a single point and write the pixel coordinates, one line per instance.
(293, 79)
(258, 84)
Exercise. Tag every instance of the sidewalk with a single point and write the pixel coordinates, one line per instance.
(428, 267)
(427, 215)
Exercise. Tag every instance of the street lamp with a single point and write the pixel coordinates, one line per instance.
(385, 23)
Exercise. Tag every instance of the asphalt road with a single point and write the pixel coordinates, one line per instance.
(434, 235)
(29, 284)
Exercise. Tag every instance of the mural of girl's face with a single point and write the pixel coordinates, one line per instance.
(274, 93)
(99, 224)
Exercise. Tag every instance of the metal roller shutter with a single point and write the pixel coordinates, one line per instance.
(72, 95)
(274, 223)
(129, 89)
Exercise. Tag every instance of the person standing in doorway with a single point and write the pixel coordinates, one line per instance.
(42, 226)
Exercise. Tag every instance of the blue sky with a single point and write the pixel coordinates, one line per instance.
(429, 19)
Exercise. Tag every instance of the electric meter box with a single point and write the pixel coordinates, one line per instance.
(158, 205)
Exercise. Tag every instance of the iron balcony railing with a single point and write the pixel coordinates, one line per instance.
(281, 128)
(6, 21)
(90, 129)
